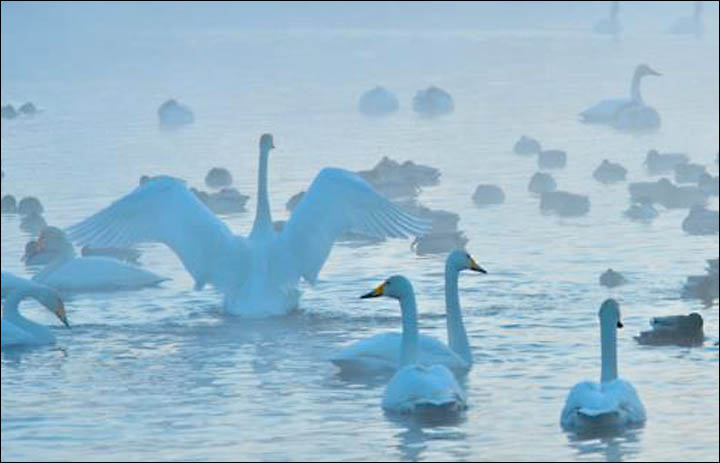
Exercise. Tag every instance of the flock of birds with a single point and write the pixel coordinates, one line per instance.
(259, 274)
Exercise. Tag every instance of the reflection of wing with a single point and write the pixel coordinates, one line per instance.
(162, 210)
(336, 202)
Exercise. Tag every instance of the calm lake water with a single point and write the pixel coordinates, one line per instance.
(162, 374)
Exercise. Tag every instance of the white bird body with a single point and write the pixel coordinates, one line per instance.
(608, 404)
(258, 275)
(17, 330)
(381, 352)
(612, 403)
(415, 387)
(66, 272)
(95, 274)
(625, 113)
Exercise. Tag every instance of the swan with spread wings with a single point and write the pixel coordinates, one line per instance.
(258, 275)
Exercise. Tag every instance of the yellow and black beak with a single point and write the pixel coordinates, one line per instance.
(60, 313)
(475, 267)
(377, 292)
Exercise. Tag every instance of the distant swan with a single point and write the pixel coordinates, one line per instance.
(381, 353)
(18, 330)
(64, 271)
(415, 387)
(258, 275)
(612, 403)
(626, 113)
(691, 25)
(610, 25)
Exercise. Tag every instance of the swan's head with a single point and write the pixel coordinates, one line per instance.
(51, 239)
(266, 142)
(49, 298)
(460, 260)
(610, 310)
(645, 70)
(396, 287)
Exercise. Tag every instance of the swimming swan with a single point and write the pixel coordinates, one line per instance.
(381, 353)
(415, 387)
(625, 113)
(258, 275)
(612, 403)
(610, 25)
(18, 330)
(64, 271)
(691, 25)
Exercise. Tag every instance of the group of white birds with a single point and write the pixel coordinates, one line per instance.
(259, 276)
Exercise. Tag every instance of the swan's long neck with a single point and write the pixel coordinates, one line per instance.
(614, 10)
(263, 221)
(408, 351)
(457, 337)
(12, 314)
(608, 346)
(635, 87)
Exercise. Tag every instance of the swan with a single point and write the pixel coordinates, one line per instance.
(625, 113)
(378, 102)
(381, 353)
(65, 272)
(614, 402)
(610, 25)
(257, 275)
(691, 25)
(681, 330)
(488, 194)
(415, 387)
(18, 330)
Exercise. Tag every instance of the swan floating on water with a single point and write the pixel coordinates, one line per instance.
(610, 278)
(486, 195)
(667, 194)
(527, 145)
(18, 330)
(610, 25)
(30, 205)
(541, 182)
(173, 114)
(626, 113)
(258, 275)
(564, 204)
(680, 330)
(8, 112)
(416, 387)
(701, 221)
(378, 102)
(689, 25)
(218, 177)
(552, 159)
(381, 353)
(612, 403)
(226, 201)
(609, 172)
(8, 204)
(433, 101)
(663, 163)
(65, 272)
